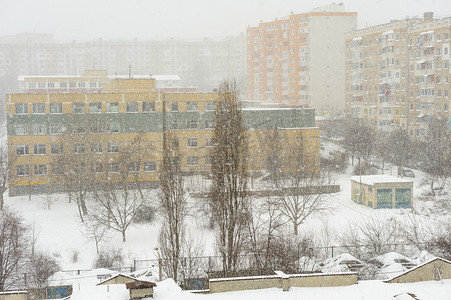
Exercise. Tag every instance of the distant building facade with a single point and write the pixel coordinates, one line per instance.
(397, 74)
(105, 128)
(299, 60)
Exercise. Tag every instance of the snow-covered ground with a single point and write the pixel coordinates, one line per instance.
(59, 233)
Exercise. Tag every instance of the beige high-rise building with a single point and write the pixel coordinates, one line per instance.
(397, 74)
(299, 60)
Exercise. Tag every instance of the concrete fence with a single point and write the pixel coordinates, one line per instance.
(282, 281)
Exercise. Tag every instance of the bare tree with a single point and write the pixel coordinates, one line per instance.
(436, 149)
(40, 268)
(173, 207)
(296, 178)
(360, 141)
(5, 164)
(13, 247)
(94, 230)
(228, 194)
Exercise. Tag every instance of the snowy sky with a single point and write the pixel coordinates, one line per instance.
(161, 19)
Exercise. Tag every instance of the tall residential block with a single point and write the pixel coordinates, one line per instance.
(300, 59)
(397, 74)
(122, 128)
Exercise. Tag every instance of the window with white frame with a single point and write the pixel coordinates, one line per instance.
(175, 142)
(112, 127)
(39, 129)
(21, 129)
(148, 107)
(95, 108)
(63, 84)
(79, 148)
(112, 107)
(56, 128)
(81, 84)
(22, 150)
(192, 160)
(56, 148)
(191, 106)
(210, 105)
(57, 169)
(192, 143)
(209, 124)
(132, 107)
(113, 147)
(208, 160)
(78, 108)
(175, 125)
(98, 167)
(174, 106)
(56, 108)
(23, 170)
(113, 167)
(192, 124)
(38, 108)
(40, 149)
(96, 148)
(209, 142)
(21, 108)
(150, 166)
(133, 167)
(40, 169)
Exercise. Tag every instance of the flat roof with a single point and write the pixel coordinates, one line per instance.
(373, 179)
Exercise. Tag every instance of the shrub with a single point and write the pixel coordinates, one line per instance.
(113, 258)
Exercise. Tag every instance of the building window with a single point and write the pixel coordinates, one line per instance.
(56, 148)
(192, 161)
(21, 108)
(63, 84)
(150, 166)
(96, 148)
(38, 108)
(174, 106)
(57, 169)
(32, 85)
(113, 167)
(112, 127)
(191, 106)
(22, 150)
(95, 108)
(133, 167)
(72, 84)
(98, 167)
(192, 143)
(56, 108)
(81, 84)
(51, 84)
(192, 124)
(209, 142)
(78, 108)
(175, 125)
(93, 84)
(113, 147)
(56, 128)
(132, 107)
(21, 129)
(40, 169)
(23, 170)
(148, 107)
(112, 107)
(208, 160)
(175, 142)
(79, 148)
(209, 124)
(41, 85)
(39, 129)
(40, 149)
(210, 105)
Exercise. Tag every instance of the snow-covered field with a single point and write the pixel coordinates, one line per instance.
(59, 234)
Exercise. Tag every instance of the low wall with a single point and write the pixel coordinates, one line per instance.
(19, 295)
(434, 270)
(219, 285)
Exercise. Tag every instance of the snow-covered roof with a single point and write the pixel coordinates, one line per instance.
(427, 32)
(166, 77)
(387, 32)
(373, 179)
(117, 275)
(357, 38)
(419, 266)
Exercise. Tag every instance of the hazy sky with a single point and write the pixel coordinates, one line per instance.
(161, 19)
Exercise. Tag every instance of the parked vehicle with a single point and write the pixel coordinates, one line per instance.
(408, 173)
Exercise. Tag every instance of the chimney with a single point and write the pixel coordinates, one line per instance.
(428, 15)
